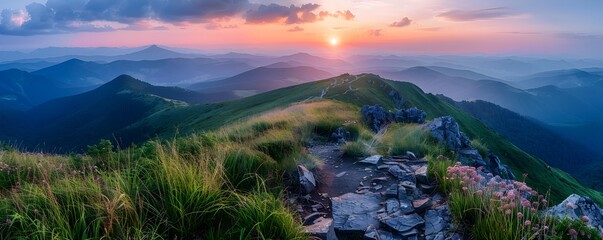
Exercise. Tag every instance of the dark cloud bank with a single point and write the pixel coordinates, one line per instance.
(60, 16)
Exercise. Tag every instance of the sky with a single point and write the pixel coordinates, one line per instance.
(331, 27)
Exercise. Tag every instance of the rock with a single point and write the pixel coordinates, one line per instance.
(437, 223)
(415, 115)
(381, 167)
(322, 229)
(421, 174)
(392, 191)
(402, 174)
(306, 179)
(372, 159)
(341, 174)
(411, 115)
(312, 217)
(340, 135)
(421, 205)
(376, 116)
(497, 168)
(402, 194)
(576, 206)
(392, 205)
(379, 234)
(406, 206)
(404, 223)
(426, 188)
(411, 155)
(379, 179)
(471, 157)
(446, 131)
(353, 213)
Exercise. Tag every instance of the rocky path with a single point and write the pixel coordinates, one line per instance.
(380, 198)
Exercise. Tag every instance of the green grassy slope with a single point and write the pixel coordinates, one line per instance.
(367, 89)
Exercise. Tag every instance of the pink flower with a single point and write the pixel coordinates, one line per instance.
(573, 232)
(527, 223)
(464, 189)
(585, 219)
(526, 203)
(479, 192)
(545, 228)
(519, 215)
(508, 212)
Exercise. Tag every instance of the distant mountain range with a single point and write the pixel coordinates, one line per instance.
(262, 79)
(571, 78)
(548, 104)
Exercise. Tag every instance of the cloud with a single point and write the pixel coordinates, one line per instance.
(347, 15)
(402, 23)
(481, 14)
(295, 29)
(217, 26)
(275, 13)
(375, 32)
(59, 16)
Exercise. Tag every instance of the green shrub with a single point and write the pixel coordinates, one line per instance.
(409, 138)
(245, 168)
(325, 127)
(480, 147)
(264, 216)
(279, 145)
(355, 149)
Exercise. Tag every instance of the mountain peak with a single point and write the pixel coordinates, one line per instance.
(125, 82)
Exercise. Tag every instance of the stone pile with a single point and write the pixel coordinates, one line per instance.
(403, 205)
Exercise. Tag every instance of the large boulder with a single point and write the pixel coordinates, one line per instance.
(415, 115)
(353, 213)
(575, 207)
(447, 132)
(376, 116)
(411, 115)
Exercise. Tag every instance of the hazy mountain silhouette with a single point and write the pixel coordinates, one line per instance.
(80, 120)
(22, 90)
(570, 78)
(262, 79)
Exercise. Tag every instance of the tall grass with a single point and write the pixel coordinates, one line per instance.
(222, 184)
(411, 137)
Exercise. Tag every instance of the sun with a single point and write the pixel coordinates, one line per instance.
(333, 41)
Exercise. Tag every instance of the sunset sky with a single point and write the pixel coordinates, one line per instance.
(497, 27)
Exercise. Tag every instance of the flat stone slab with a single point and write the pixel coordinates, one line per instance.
(322, 228)
(372, 159)
(353, 213)
(421, 205)
(402, 174)
(404, 223)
